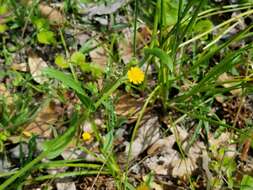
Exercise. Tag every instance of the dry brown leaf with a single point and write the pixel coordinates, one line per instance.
(36, 65)
(147, 134)
(164, 158)
(126, 47)
(162, 144)
(223, 141)
(19, 67)
(228, 78)
(4, 93)
(129, 106)
(99, 57)
(53, 15)
(46, 118)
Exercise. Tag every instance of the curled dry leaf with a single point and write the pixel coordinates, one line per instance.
(103, 9)
(36, 65)
(66, 186)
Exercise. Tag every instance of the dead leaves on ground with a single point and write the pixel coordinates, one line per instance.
(129, 107)
(143, 38)
(45, 121)
(52, 14)
(36, 66)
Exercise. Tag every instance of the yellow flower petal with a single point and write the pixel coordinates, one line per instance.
(86, 136)
(135, 75)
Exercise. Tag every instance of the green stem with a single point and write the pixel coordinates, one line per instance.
(135, 25)
(26, 168)
(110, 91)
(137, 126)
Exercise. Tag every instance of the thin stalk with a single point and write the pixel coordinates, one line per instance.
(135, 26)
(69, 174)
(141, 113)
(110, 91)
(67, 55)
(236, 18)
(220, 36)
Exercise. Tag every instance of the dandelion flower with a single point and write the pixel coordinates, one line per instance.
(86, 136)
(135, 75)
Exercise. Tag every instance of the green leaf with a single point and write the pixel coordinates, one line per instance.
(40, 23)
(94, 69)
(4, 9)
(71, 83)
(61, 62)
(46, 37)
(66, 79)
(203, 26)
(77, 58)
(108, 142)
(246, 183)
(56, 146)
(163, 56)
(3, 28)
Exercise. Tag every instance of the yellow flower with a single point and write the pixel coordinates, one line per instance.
(135, 75)
(86, 136)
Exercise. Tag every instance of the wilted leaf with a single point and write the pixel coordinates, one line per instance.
(163, 155)
(143, 187)
(36, 65)
(103, 9)
(66, 186)
(143, 37)
(5, 94)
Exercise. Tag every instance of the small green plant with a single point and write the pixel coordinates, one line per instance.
(77, 59)
(44, 34)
